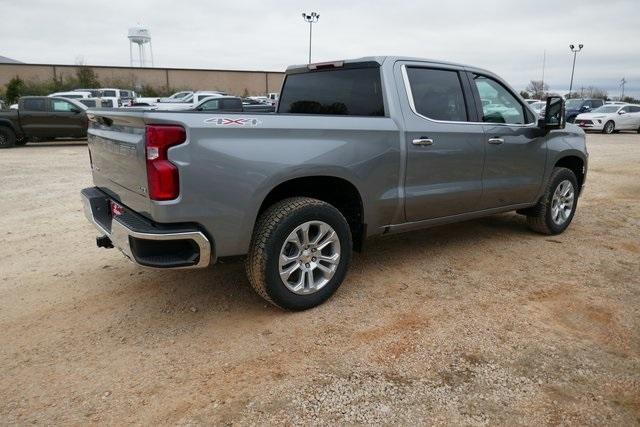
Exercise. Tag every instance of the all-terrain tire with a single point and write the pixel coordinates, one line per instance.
(539, 218)
(7, 137)
(272, 229)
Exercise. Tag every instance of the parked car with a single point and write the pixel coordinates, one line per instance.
(273, 98)
(72, 95)
(615, 102)
(232, 103)
(531, 101)
(42, 117)
(95, 93)
(610, 118)
(250, 104)
(345, 157)
(179, 95)
(188, 102)
(577, 106)
(124, 97)
(91, 102)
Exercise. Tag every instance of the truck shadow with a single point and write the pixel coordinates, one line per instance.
(224, 287)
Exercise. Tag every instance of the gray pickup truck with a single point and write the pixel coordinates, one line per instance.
(357, 148)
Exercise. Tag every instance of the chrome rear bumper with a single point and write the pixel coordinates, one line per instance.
(144, 242)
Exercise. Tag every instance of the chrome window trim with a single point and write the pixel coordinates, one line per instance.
(407, 86)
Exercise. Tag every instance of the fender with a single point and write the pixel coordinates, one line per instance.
(8, 123)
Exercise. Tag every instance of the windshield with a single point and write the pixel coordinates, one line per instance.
(606, 109)
(179, 95)
(573, 103)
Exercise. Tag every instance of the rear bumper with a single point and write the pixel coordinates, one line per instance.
(144, 242)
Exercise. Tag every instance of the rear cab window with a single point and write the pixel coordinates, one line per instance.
(336, 91)
(437, 94)
(35, 104)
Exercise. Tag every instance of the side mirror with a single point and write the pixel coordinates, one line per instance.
(74, 110)
(553, 114)
(621, 112)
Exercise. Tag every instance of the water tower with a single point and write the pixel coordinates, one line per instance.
(142, 37)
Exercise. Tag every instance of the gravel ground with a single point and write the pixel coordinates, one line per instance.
(476, 323)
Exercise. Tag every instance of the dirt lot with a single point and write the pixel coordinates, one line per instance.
(473, 323)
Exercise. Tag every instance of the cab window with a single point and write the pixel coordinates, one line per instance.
(437, 94)
(63, 106)
(502, 106)
(212, 104)
(37, 104)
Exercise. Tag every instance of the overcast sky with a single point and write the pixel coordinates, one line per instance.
(507, 37)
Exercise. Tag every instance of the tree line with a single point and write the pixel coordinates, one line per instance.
(537, 89)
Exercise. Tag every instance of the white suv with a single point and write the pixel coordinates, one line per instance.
(610, 118)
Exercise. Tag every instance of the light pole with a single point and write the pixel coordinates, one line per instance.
(311, 18)
(573, 68)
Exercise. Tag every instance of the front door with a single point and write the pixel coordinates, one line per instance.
(516, 151)
(445, 148)
(626, 120)
(67, 119)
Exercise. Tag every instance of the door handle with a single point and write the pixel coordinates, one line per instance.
(422, 141)
(496, 140)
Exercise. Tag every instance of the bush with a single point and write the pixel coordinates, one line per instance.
(87, 78)
(15, 89)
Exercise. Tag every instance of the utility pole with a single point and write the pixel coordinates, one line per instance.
(622, 83)
(544, 59)
(311, 18)
(573, 68)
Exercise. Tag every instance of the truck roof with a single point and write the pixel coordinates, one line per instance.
(380, 60)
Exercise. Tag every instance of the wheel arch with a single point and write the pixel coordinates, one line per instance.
(338, 191)
(576, 164)
(9, 124)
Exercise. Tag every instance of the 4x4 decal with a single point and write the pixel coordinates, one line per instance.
(236, 122)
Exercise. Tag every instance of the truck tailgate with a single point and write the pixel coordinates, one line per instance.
(116, 147)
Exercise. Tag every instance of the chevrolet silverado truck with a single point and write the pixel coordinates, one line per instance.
(357, 148)
(40, 118)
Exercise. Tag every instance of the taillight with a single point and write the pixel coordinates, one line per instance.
(162, 175)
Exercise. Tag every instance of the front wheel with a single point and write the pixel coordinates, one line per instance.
(555, 210)
(609, 127)
(300, 253)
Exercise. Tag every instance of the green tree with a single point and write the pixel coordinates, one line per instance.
(87, 78)
(15, 89)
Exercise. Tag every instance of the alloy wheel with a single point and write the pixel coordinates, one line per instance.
(562, 202)
(309, 257)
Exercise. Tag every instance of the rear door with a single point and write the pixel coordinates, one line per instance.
(515, 149)
(35, 117)
(68, 120)
(444, 142)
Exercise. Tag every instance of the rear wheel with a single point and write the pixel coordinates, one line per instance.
(555, 210)
(300, 253)
(609, 127)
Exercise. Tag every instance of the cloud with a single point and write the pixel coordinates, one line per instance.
(507, 37)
